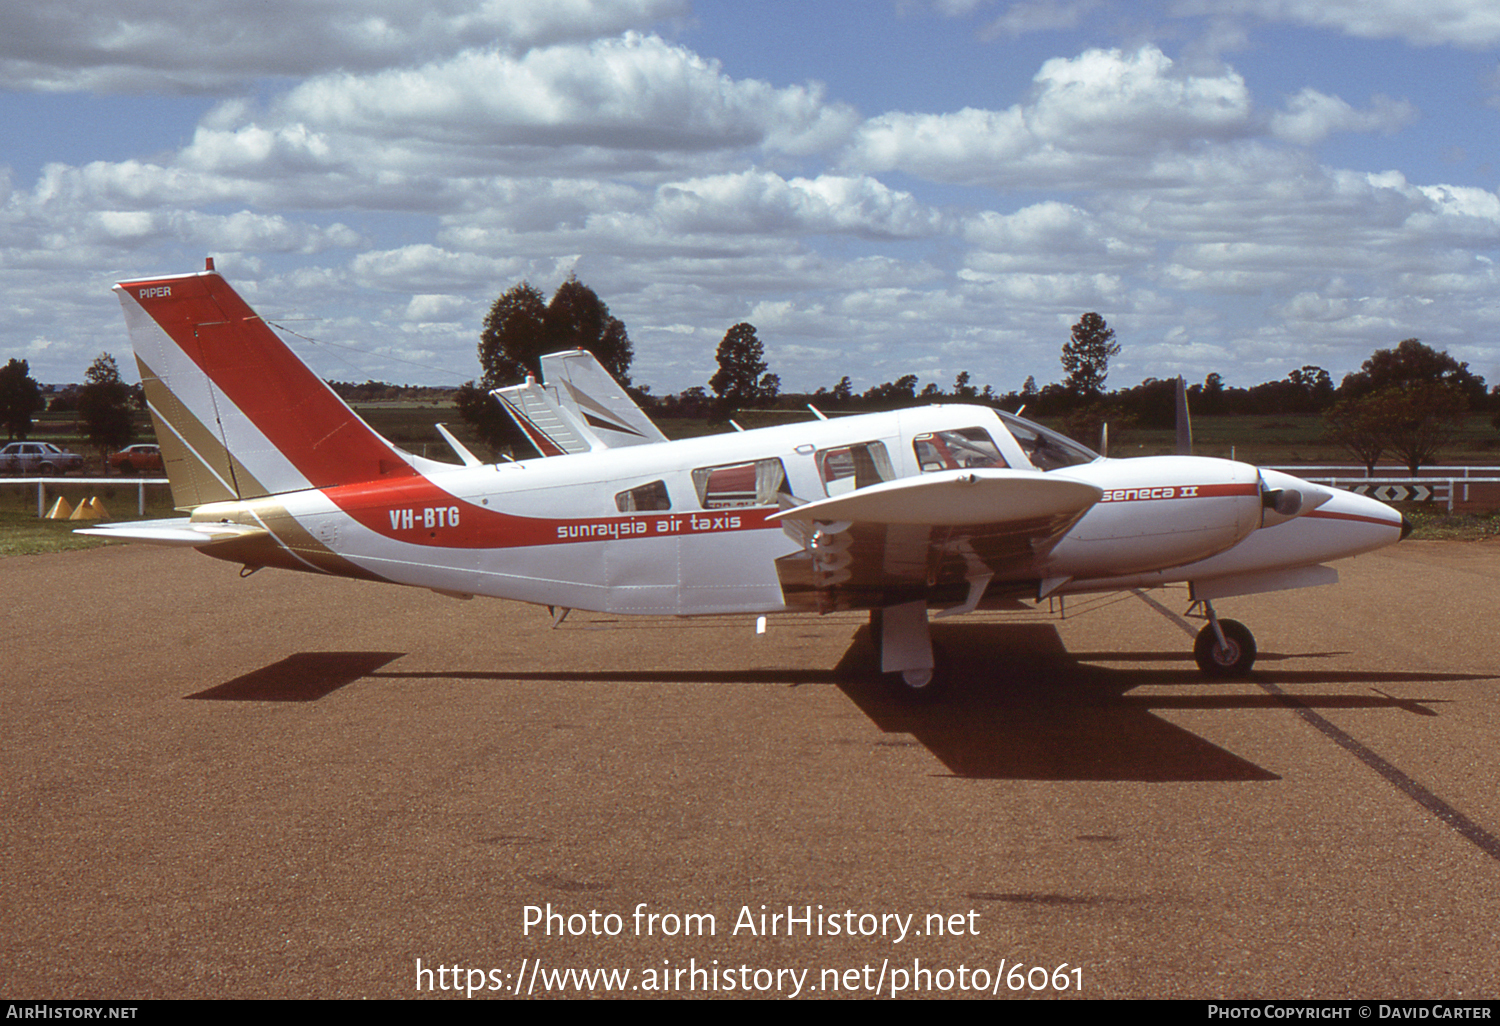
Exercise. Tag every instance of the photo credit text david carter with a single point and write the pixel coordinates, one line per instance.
(1283, 1010)
(891, 975)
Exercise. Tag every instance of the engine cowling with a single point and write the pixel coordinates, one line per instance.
(1157, 512)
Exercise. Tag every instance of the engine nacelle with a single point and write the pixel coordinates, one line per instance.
(1158, 511)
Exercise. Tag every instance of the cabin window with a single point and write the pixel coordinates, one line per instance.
(651, 496)
(740, 484)
(957, 450)
(854, 466)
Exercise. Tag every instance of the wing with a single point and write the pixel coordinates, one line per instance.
(940, 537)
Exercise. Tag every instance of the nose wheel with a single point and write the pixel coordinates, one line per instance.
(1225, 648)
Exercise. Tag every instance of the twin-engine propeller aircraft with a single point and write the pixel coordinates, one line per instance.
(939, 508)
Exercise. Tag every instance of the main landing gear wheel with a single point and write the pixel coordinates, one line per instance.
(1233, 658)
(921, 684)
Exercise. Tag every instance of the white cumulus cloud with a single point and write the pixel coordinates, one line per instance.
(1311, 116)
(1096, 116)
(215, 45)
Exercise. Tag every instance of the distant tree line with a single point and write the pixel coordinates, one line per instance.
(105, 404)
(1406, 402)
(1409, 401)
(384, 391)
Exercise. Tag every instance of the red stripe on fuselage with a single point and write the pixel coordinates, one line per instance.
(417, 512)
(1160, 493)
(1319, 514)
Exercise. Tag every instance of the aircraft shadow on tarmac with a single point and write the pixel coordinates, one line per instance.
(1020, 706)
(304, 677)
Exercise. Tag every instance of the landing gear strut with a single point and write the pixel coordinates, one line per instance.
(1225, 648)
(907, 659)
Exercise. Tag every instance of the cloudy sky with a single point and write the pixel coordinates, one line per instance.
(881, 187)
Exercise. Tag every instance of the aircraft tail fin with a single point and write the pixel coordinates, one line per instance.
(579, 408)
(237, 414)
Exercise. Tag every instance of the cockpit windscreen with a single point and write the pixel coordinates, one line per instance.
(1047, 450)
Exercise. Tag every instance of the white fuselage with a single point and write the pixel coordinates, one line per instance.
(572, 531)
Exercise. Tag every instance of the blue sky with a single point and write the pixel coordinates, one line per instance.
(882, 188)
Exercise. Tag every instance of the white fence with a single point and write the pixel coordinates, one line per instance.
(119, 482)
(1321, 471)
(1447, 485)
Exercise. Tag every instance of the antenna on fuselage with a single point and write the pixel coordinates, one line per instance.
(461, 450)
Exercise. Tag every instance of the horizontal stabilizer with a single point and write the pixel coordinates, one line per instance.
(178, 531)
(955, 498)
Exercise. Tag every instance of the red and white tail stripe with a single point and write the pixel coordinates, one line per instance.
(238, 415)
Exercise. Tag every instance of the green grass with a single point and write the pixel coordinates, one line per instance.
(23, 533)
(1286, 439)
(409, 423)
(1439, 525)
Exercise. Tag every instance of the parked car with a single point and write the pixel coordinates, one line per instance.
(38, 458)
(136, 459)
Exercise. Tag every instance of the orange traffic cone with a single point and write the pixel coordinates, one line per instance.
(93, 509)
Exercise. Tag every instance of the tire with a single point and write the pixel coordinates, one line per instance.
(922, 686)
(1234, 661)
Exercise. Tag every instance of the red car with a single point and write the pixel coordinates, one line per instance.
(136, 459)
